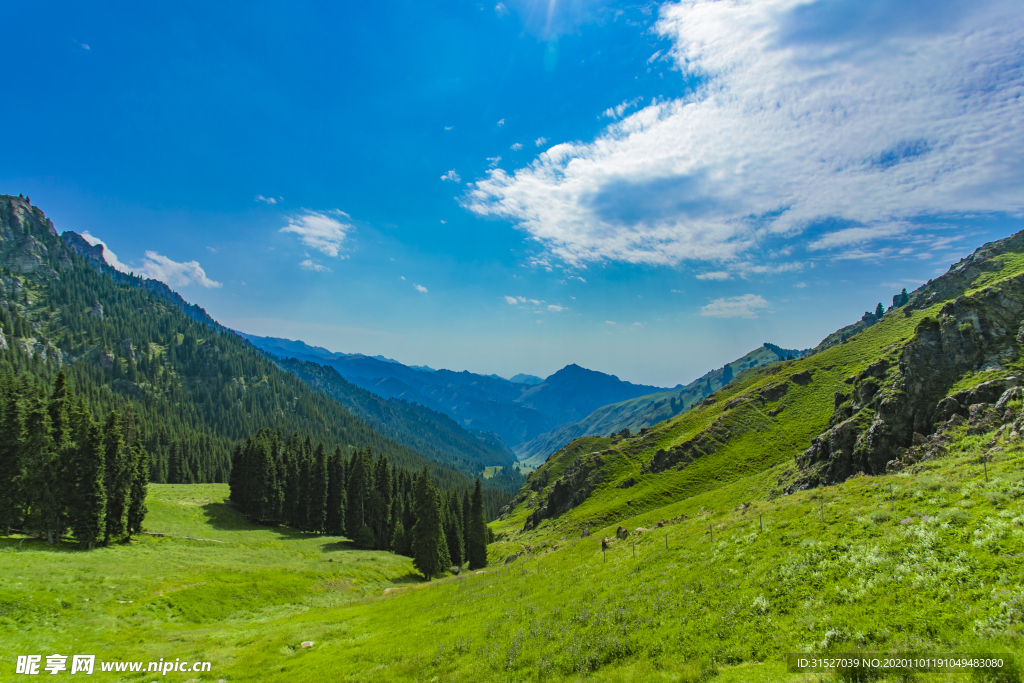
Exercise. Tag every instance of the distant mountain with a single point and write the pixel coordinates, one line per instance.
(526, 379)
(645, 411)
(515, 411)
(431, 433)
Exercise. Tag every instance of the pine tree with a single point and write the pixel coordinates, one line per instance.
(879, 310)
(139, 488)
(43, 479)
(476, 534)
(335, 519)
(429, 549)
(380, 504)
(360, 481)
(399, 540)
(117, 480)
(904, 297)
(12, 437)
(89, 501)
(453, 531)
(319, 485)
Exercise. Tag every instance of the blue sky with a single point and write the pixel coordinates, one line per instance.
(650, 190)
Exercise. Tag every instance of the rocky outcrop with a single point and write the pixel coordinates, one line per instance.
(28, 240)
(887, 405)
(681, 455)
(3, 342)
(96, 311)
(580, 478)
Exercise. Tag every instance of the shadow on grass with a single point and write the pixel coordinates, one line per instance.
(339, 545)
(226, 517)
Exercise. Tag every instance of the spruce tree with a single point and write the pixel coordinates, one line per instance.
(360, 481)
(334, 523)
(12, 437)
(399, 540)
(429, 549)
(89, 502)
(477, 533)
(879, 310)
(380, 504)
(43, 481)
(319, 485)
(139, 488)
(117, 479)
(453, 532)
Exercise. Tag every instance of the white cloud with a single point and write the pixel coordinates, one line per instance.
(501, 123)
(420, 288)
(500, 9)
(451, 176)
(308, 264)
(512, 301)
(157, 267)
(175, 274)
(320, 230)
(677, 291)
(610, 322)
(556, 308)
(493, 161)
(108, 256)
(714, 275)
(516, 146)
(639, 325)
(540, 141)
(745, 306)
(617, 111)
(444, 222)
(449, 127)
(269, 200)
(85, 46)
(809, 119)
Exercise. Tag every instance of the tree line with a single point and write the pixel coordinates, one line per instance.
(376, 504)
(60, 470)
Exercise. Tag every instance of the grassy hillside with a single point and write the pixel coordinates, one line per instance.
(930, 568)
(644, 411)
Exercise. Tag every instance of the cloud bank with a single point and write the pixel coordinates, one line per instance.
(820, 123)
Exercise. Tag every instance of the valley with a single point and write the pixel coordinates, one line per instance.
(861, 496)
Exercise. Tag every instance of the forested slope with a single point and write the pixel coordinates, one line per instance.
(196, 387)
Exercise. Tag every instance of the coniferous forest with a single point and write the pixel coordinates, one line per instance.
(376, 504)
(111, 381)
(61, 470)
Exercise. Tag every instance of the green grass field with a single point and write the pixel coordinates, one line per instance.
(936, 569)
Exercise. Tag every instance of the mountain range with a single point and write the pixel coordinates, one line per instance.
(517, 411)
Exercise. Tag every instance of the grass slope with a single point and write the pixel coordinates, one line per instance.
(644, 411)
(933, 569)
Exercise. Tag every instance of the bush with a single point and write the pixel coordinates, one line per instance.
(880, 516)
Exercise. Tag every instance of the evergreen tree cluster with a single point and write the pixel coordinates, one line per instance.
(62, 471)
(376, 504)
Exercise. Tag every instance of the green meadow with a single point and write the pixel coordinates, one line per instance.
(930, 565)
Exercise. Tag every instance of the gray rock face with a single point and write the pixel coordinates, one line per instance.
(96, 311)
(888, 406)
(3, 342)
(572, 488)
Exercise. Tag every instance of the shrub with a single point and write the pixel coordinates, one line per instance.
(880, 516)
